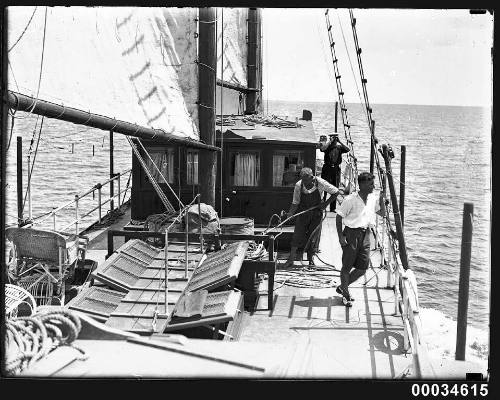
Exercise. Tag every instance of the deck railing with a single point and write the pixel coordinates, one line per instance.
(406, 301)
(406, 304)
(77, 201)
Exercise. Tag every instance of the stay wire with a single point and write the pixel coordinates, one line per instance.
(41, 62)
(24, 31)
(30, 172)
(350, 62)
(221, 107)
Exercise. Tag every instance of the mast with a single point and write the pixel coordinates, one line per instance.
(206, 106)
(3, 141)
(254, 68)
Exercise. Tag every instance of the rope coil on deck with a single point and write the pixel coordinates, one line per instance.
(29, 339)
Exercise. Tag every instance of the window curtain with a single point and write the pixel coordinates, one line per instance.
(278, 169)
(192, 168)
(246, 170)
(162, 162)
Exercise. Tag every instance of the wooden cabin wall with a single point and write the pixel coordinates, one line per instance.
(263, 201)
(144, 199)
(259, 202)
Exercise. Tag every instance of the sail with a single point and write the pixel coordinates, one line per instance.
(132, 64)
(232, 38)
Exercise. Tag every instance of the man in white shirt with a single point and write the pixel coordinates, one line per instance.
(307, 193)
(357, 214)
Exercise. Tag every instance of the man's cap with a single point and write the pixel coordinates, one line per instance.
(334, 134)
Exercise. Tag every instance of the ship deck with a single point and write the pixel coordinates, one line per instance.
(309, 330)
(308, 333)
(362, 341)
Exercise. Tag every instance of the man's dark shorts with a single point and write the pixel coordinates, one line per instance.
(356, 254)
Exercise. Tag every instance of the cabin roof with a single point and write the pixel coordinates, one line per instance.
(303, 134)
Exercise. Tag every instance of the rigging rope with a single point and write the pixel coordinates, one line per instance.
(41, 62)
(29, 339)
(221, 110)
(340, 91)
(155, 185)
(29, 22)
(349, 58)
(157, 169)
(30, 172)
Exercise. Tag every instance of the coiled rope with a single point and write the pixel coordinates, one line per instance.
(29, 339)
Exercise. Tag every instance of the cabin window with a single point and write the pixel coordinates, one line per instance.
(245, 168)
(286, 167)
(163, 168)
(192, 167)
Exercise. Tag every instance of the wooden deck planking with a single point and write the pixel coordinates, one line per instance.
(367, 337)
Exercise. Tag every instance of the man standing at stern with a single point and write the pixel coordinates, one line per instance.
(357, 214)
(330, 172)
(307, 193)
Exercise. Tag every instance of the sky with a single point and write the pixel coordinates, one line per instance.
(434, 57)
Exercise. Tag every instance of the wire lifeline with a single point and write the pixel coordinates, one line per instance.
(182, 212)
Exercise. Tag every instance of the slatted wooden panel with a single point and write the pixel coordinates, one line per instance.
(219, 268)
(219, 307)
(139, 249)
(136, 310)
(96, 301)
(120, 271)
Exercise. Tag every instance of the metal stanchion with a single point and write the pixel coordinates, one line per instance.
(463, 286)
(186, 247)
(166, 271)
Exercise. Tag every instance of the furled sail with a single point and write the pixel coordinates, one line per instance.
(132, 64)
(232, 38)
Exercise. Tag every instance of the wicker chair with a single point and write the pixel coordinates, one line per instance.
(14, 297)
(43, 260)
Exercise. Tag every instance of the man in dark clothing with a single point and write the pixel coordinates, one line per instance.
(330, 172)
(307, 193)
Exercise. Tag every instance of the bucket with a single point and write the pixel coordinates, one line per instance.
(236, 226)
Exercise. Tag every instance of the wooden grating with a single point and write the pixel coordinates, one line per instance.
(139, 249)
(219, 268)
(219, 307)
(142, 309)
(136, 310)
(120, 271)
(96, 301)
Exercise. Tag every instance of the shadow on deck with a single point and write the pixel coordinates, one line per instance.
(363, 341)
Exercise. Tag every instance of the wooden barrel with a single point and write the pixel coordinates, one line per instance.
(236, 226)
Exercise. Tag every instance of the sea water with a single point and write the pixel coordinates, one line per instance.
(448, 162)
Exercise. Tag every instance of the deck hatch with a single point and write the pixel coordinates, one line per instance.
(219, 268)
(140, 250)
(96, 301)
(219, 307)
(120, 271)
